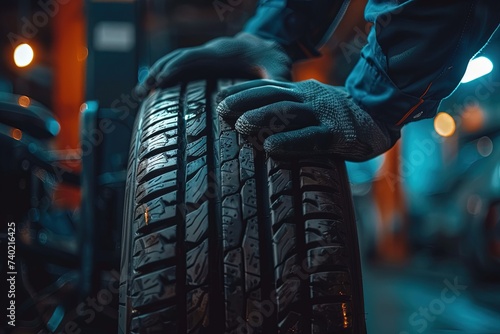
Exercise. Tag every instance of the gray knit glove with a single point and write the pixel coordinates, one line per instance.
(305, 118)
(242, 56)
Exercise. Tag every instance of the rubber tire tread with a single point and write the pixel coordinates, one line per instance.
(220, 238)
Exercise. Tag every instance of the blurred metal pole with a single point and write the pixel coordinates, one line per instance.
(112, 67)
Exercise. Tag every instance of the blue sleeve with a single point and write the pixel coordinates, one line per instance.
(300, 26)
(417, 53)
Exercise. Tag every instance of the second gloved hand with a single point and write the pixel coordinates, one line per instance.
(242, 56)
(305, 118)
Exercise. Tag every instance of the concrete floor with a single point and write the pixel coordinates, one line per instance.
(429, 296)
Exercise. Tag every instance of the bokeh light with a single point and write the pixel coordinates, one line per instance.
(444, 124)
(23, 55)
(16, 134)
(476, 68)
(485, 146)
(473, 118)
(24, 101)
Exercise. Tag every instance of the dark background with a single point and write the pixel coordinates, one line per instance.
(428, 211)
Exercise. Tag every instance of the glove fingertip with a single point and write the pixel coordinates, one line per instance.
(272, 145)
(245, 127)
(241, 125)
(223, 109)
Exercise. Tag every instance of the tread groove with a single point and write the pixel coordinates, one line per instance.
(216, 289)
(265, 238)
(303, 293)
(181, 213)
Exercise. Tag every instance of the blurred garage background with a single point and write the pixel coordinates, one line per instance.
(428, 211)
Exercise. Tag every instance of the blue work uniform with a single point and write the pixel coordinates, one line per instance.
(416, 55)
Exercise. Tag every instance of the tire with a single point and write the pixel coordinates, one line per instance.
(219, 238)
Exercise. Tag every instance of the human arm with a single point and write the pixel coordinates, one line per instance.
(281, 32)
(416, 55)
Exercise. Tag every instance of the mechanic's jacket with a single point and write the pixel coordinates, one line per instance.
(416, 55)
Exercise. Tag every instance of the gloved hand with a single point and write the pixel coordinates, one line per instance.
(242, 56)
(305, 118)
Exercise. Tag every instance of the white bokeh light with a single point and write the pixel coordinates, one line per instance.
(23, 55)
(477, 68)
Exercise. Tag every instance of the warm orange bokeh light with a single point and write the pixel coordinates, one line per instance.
(16, 134)
(444, 124)
(24, 101)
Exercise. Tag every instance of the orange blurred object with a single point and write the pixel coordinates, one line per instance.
(392, 230)
(444, 124)
(472, 118)
(16, 134)
(69, 84)
(24, 101)
(316, 68)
